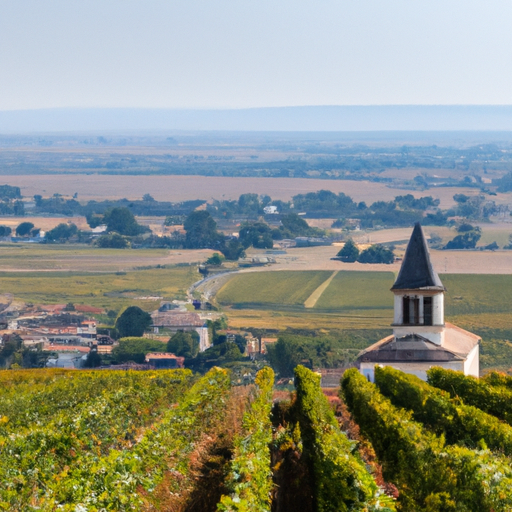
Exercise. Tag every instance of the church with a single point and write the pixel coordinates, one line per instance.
(421, 338)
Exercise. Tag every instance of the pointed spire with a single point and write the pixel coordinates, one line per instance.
(417, 271)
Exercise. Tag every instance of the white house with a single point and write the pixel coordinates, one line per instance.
(421, 338)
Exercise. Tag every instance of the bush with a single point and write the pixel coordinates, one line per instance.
(430, 476)
(341, 480)
(376, 254)
(349, 252)
(459, 423)
(135, 349)
(493, 400)
(112, 241)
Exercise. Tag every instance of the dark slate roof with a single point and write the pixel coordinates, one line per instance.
(417, 271)
(413, 348)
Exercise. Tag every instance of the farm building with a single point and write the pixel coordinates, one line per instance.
(165, 360)
(421, 338)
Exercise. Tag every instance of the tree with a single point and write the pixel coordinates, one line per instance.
(376, 254)
(24, 229)
(61, 232)
(93, 359)
(121, 220)
(467, 240)
(133, 322)
(349, 253)
(258, 235)
(215, 259)
(5, 230)
(184, 344)
(202, 231)
(112, 241)
(233, 250)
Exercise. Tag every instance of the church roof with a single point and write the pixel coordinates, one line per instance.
(416, 271)
(457, 345)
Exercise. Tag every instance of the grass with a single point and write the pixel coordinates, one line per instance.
(474, 294)
(358, 291)
(257, 289)
(107, 290)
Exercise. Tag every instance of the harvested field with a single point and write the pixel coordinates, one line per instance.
(181, 188)
(453, 262)
(81, 258)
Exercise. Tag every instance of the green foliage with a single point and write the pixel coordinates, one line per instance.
(233, 250)
(337, 350)
(61, 233)
(249, 481)
(24, 228)
(349, 252)
(112, 241)
(376, 254)
(121, 220)
(133, 321)
(284, 287)
(5, 231)
(135, 349)
(215, 259)
(62, 434)
(493, 400)
(184, 344)
(202, 231)
(293, 225)
(467, 240)
(341, 481)
(257, 234)
(429, 475)
(459, 423)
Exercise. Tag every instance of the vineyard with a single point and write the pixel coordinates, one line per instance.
(171, 440)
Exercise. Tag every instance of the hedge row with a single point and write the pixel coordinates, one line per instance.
(430, 476)
(459, 423)
(340, 479)
(477, 392)
(250, 478)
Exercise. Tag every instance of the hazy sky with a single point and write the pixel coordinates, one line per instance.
(241, 53)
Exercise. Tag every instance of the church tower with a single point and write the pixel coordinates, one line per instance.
(421, 338)
(419, 293)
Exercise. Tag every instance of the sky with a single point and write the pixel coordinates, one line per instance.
(257, 53)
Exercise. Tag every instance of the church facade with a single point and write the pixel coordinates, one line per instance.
(421, 338)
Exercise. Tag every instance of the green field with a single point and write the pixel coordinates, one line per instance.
(107, 290)
(358, 291)
(265, 289)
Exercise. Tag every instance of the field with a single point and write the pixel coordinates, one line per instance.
(362, 300)
(280, 288)
(181, 188)
(82, 258)
(106, 290)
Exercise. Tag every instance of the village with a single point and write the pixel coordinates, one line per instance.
(64, 335)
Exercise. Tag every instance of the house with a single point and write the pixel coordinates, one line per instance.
(421, 338)
(164, 360)
(182, 321)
